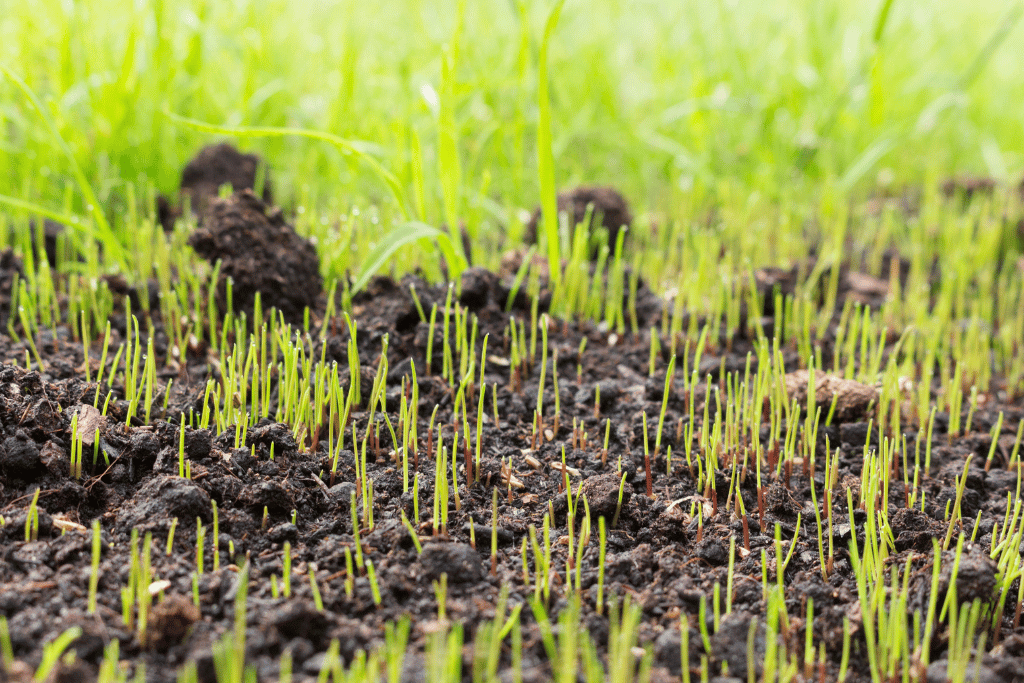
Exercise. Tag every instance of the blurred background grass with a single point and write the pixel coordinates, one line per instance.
(679, 104)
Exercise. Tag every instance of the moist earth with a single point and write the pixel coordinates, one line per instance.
(656, 552)
(254, 495)
(210, 169)
(260, 254)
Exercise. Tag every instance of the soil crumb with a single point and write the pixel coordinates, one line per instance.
(260, 253)
(611, 210)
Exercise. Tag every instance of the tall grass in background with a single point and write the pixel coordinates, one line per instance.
(682, 105)
(649, 94)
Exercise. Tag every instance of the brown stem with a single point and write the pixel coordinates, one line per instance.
(647, 472)
(469, 461)
(760, 508)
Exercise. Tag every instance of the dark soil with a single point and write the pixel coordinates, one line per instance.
(607, 206)
(259, 252)
(217, 165)
(657, 553)
(203, 176)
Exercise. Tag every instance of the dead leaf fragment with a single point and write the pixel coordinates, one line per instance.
(853, 399)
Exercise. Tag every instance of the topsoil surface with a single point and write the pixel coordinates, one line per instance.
(656, 552)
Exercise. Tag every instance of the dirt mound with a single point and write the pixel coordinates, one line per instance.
(217, 165)
(203, 176)
(260, 253)
(611, 210)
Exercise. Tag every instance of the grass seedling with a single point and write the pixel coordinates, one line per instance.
(318, 601)
(664, 408)
(539, 411)
(355, 531)
(53, 651)
(286, 569)
(618, 504)
(216, 538)
(955, 518)
(94, 571)
(350, 574)
(494, 531)
(32, 519)
(412, 533)
(647, 460)
(200, 538)
(545, 154)
(371, 574)
(181, 445)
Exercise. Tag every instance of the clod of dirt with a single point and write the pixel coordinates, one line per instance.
(298, 620)
(780, 502)
(610, 209)
(260, 253)
(19, 672)
(166, 214)
(19, 454)
(458, 560)
(729, 644)
(268, 494)
(602, 494)
(975, 577)
(166, 497)
(170, 622)
(914, 530)
(74, 671)
(866, 289)
(217, 165)
(938, 672)
(477, 285)
(853, 399)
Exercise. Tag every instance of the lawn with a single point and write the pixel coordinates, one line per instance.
(406, 407)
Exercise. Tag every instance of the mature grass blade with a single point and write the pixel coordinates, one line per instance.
(399, 237)
(449, 166)
(346, 147)
(104, 233)
(867, 159)
(1013, 15)
(545, 155)
(70, 221)
(881, 20)
(869, 65)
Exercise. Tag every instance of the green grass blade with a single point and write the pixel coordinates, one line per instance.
(449, 166)
(881, 20)
(398, 238)
(346, 147)
(1013, 15)
(104, 232)
(70, 221)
